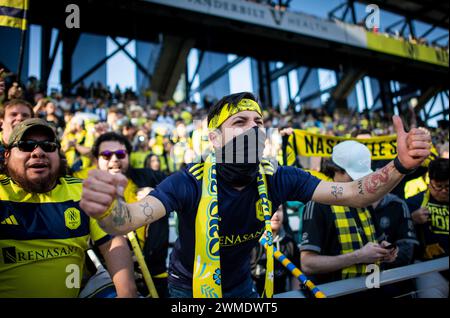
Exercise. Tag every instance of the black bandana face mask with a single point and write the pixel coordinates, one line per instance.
(238, 161)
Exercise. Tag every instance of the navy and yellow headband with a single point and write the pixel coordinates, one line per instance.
(226, 112)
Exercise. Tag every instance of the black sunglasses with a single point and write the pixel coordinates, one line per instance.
(120, 154)
(30, 145)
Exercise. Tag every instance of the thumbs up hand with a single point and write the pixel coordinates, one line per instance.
(412, 147)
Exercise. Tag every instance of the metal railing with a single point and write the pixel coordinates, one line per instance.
(358, 284)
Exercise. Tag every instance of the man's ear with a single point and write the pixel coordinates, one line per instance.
(215, 137)
(7, 154)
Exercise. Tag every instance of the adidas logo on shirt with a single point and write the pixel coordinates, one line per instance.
(11, 220)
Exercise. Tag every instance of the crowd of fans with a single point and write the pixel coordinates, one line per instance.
(165, 136)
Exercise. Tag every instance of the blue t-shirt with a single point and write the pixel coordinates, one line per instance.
(241, 222)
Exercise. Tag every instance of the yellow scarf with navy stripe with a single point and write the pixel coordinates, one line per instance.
(207, 274)
(349, 236)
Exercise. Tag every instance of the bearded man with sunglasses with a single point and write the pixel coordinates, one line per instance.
(43, 231)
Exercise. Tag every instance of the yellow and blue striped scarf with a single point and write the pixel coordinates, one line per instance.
(207, 274)
(349, 236)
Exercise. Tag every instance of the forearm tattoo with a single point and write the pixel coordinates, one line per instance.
(337, 191)
(377, 180)
(121, 214)
(148, 211)
(360, 187)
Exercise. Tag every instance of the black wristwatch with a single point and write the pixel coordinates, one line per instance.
(400, 168)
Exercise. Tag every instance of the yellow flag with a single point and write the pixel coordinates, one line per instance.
(13, 13)
(307, 144)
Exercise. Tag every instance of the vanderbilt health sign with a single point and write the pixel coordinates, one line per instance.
(268, 17)
(304, 24)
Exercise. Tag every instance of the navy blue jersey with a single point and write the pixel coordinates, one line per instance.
(435, 231)
(241, 218)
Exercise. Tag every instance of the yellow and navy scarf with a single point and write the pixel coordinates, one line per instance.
(349, 236)
(426, 198)
(207, 275)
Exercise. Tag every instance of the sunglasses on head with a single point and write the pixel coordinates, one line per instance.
(120, 154)
(30, 145)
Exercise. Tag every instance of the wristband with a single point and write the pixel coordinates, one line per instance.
(400, 168)
(107, 212)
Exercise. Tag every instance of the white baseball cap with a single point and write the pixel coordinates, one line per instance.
(353, 157)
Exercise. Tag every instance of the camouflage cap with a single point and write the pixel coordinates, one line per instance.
(37, 123)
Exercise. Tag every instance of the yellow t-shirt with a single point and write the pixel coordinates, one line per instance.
(71, 155)
(130, 197)
(83, 173)
(137, 158)
(319, 175)
(43, 239)
(415, 186)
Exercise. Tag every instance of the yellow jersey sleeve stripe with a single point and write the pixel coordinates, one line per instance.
(18, 4)
(196, 167)
(64, 192)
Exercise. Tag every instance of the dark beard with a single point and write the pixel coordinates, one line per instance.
(42, 186)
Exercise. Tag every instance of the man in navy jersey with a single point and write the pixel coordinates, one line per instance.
(224, 203)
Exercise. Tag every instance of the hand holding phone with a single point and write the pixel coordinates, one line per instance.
(392, 246)
(391, 251)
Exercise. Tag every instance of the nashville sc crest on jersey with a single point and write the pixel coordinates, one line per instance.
(72, 218)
